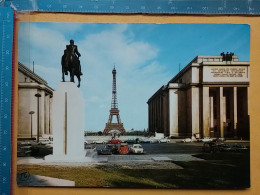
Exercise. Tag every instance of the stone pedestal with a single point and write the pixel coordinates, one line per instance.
(68, 124)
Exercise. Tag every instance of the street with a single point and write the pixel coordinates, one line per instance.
(173, 148)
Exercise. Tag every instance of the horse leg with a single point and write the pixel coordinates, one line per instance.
(78, 76)
(63, 79)
(72, 76)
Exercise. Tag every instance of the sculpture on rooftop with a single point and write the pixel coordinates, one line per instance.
(70, 62)
(227, 57)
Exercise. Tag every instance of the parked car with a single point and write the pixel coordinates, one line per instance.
(239, 147)
(44, 141)
(205, 139)
(99, 142)
(85, 143)
(186, 140)
(154, 140)
(137, 149)
(115, 141)
(109, 149)
(145, 140)
(24, 149)
(123, 148)
(210, 147)
(130, 141)
(220, 139)
(225, 147)
(164, 140)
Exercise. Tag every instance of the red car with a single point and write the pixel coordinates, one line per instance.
(123, 148)
(115, 141)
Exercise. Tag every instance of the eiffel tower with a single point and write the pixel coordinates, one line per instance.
(114, 111)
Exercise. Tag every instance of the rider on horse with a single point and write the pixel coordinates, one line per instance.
(70, 62)
(73, 50)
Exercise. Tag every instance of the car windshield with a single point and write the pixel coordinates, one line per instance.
(137, 146)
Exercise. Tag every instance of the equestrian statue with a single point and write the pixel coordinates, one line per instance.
(70, 62)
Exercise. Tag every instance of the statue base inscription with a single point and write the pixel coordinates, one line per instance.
(68, 124)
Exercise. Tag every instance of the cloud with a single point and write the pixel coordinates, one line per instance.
(136, 67)
(47, 39)
(66, 28)
(114, 46)
(138, 71)
(42, 45)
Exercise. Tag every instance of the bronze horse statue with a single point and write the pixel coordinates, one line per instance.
(70, 63)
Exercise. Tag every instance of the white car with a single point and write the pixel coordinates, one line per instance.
(154, 140)
(164, 140)
(99, 142)
(137, 149)
(187, 140)
(206, 139)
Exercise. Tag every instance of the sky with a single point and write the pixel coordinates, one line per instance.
(146, 57)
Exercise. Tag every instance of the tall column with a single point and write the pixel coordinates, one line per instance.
(47, 114)
(195, 110)
(33, 107)
(51, 99)
(160, 119)
(153, 118)
(42, 116)
(152, 115)
(211, 112)
(173, 112)
(206, 111)
(149, 116)
(235, 109)
(221, 111)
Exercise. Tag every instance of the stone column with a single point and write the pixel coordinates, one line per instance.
(221, 111)
(33, 107)
(47, 114)
(42, 113)
(152, 115)
(235, 109)
(195, 110)
(173, 111)
(51, 99)
(205, 111)
(211, 112)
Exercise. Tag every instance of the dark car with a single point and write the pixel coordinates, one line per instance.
(225, 147)
(145, 140)
(220, 139)
(24, 149)
(132, 141)
(210, 147)
(109, 149)
(239, 147)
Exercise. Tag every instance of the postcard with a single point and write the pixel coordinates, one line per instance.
(133, 105)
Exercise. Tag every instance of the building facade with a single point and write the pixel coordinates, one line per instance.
(30, 106)
(207, 98)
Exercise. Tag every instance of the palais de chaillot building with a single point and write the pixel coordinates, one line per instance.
(207, 98)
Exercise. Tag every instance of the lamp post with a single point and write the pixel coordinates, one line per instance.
(38, 116)
(31, 113)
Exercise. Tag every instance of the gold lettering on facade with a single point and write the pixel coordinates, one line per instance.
(228, 72)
